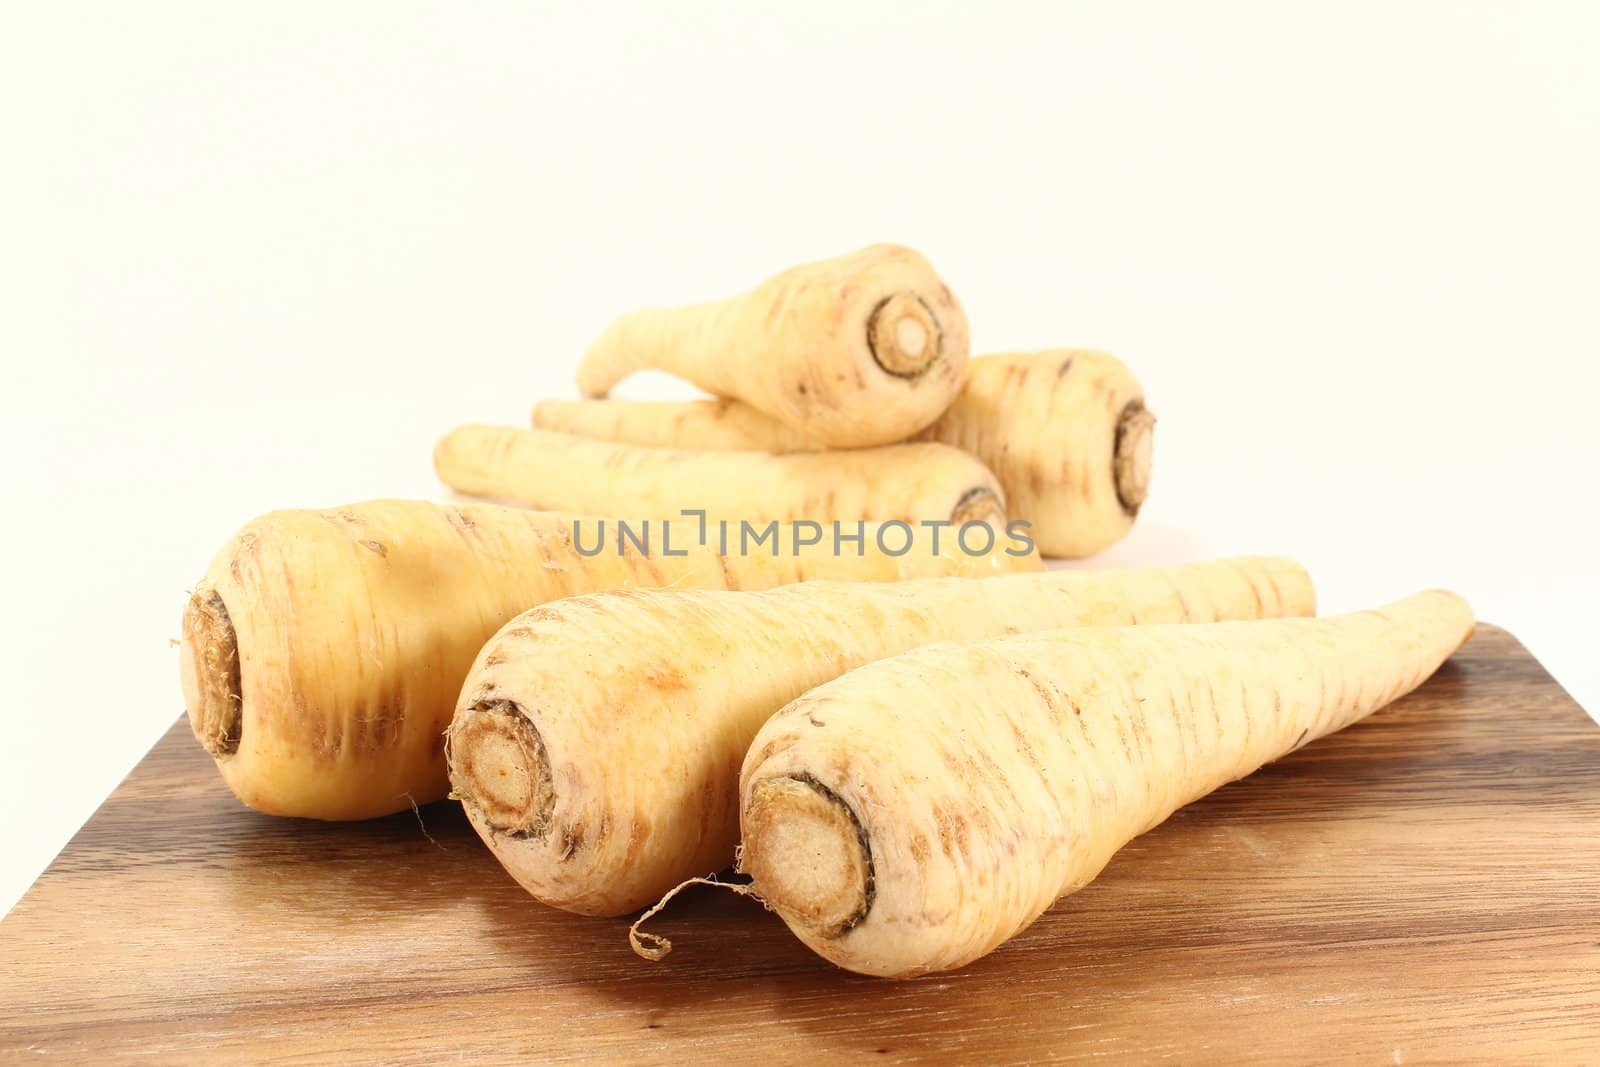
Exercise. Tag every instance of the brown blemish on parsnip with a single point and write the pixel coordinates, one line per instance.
(663, 677)
(1045, 694)
(373, 729)
(954, 833)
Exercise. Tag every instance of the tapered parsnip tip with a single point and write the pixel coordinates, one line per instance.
(210, 674)
(447, 447)
(498, 767)
(808, 854)
(441, 452)
(1450, 603)
(1131, 456)
(905, 335)
(979, 504)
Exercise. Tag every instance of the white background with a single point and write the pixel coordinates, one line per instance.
(256, 256)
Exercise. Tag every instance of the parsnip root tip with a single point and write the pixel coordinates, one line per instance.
(211, 680)
(904, 335)
(654, 947)
(1131, 455)
(808, 855)
(979, 504)
(499, 768)
(658, 947)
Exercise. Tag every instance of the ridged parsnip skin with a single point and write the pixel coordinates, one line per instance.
(716, 424)
(910, 483)
(865, 349)
(914, 814)
(326, 649)
(1065, 431)
(568, 704)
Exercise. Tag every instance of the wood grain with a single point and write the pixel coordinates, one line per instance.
(1422, 887)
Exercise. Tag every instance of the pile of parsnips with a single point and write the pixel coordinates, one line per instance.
(911, 753)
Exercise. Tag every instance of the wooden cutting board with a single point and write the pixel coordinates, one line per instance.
(1424, 886)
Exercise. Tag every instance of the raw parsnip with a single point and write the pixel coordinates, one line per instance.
(908, 483)
(597, 740)
(861, 350)
(1069, 438)
(1066, 433)
(324, 650)
(914, 814)
(712, 424)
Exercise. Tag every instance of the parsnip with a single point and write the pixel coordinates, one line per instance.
(597, 740)
(908, 483)
(914, 814)
(1066, 433)
(712, 424)
(324, 650)
(861, 350)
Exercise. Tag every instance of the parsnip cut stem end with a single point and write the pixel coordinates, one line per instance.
(808, 851)
(500, 768)
(211, 682)
(904, 335)
(979, 505)
(1131, 458)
